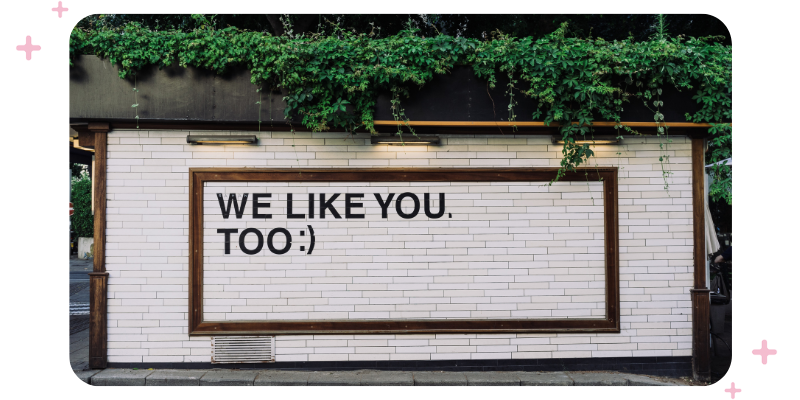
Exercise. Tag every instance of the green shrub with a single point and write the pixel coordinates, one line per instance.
(81, 198)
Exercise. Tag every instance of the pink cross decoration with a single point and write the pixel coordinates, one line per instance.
(733, 390)
(28, 48)
(764, 352)
(60, 9)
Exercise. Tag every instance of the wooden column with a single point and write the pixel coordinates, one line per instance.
(98, 289)
(701, 300)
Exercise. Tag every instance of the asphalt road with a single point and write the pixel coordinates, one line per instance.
(78, 276)
(79, 287)
(79, 312)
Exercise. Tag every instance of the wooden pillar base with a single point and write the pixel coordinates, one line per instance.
(701, 351)
(98, 322)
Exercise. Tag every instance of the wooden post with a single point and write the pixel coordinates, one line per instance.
(98, 289)
(701, 300)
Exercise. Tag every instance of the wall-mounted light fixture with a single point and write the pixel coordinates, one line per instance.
(221, 139)
(407, 139)
(589, 140)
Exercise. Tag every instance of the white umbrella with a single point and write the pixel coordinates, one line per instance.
(712, 243)
(727, 161)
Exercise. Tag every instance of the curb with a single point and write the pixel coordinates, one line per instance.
(176, 377)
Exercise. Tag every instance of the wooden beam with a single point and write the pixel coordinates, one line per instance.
(599, 124)
(99, 188)
(698, 212)
(701, 301)
(98, 331)
(86, 139)
(537, 129)
(100, 127)
(98, 320)
(701, 317)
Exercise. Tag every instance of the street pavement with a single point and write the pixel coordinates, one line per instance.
(79, 312)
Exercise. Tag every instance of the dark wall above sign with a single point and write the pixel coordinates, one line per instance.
(461, 96)
(171, 94)
(192, 96)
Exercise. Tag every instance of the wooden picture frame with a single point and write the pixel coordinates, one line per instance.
(198, 327)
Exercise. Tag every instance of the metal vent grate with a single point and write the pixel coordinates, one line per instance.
(242, 349)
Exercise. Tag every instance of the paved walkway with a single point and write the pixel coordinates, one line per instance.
(232, 377)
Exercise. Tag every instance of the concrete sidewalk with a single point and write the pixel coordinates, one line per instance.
(234, 377)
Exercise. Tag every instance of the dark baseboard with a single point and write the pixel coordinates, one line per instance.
(659, 366)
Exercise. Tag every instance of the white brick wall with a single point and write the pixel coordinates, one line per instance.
(481, 259)
(147, 250)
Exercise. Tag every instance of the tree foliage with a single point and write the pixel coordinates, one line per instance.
(607, 26)
(81, 199)
(76, 170)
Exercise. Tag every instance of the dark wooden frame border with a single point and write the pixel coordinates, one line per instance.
(197, 176)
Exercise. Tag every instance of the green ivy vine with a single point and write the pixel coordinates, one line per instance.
(332, 81)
